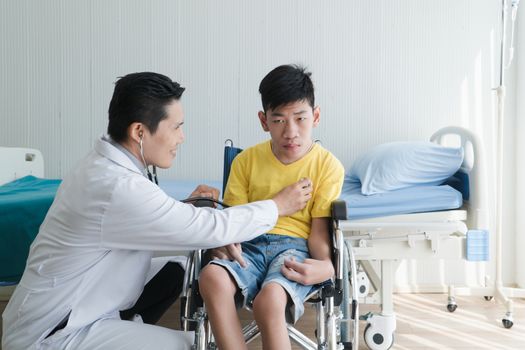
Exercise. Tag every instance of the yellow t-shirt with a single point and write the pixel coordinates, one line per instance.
(256, 174)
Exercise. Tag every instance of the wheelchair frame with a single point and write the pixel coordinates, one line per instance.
(336, 303)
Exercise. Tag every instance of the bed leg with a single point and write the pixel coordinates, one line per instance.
(451, 304)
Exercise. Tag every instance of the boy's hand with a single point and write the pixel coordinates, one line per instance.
(309, 272)
(229, 252)
(294, 197)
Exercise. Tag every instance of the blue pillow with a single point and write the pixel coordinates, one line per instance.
(396, 165)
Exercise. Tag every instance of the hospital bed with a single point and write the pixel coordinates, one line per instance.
(424, 222)
(24, 200)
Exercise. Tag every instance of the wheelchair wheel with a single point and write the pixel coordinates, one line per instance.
(350, 330)
(191, 300)
(188, 311)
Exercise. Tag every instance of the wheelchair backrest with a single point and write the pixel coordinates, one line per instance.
(230, 153)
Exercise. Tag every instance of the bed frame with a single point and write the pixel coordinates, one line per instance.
(432, 235)
(19, 162)
(16, 163)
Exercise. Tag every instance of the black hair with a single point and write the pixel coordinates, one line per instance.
(286, 84)
(140, 97)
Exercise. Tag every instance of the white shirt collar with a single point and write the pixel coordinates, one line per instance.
(118, 154)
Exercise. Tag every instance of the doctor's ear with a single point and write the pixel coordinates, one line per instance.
(136, 132)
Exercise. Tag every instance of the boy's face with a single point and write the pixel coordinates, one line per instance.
(290, 128)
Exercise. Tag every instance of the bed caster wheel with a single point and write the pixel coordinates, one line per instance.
(452, 307)
(507, 320)
(507, 323)
(376, 340)
(488, 298)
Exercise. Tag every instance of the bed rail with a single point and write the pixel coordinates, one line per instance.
(20, 162)
(474, 166)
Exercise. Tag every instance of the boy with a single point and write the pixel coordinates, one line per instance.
(275, 272)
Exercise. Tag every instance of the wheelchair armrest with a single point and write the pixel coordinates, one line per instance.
(339, 210)
(338, 245)
(330, 290)
(204, 202)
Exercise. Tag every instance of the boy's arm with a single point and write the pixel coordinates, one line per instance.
(320, 267)
(236, 192)
(319, 240)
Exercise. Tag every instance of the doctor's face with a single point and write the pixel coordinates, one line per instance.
(160, 148)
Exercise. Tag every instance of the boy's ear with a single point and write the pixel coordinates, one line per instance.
(262, 119)
(317, 115)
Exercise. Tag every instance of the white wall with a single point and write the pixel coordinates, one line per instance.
(384, 70)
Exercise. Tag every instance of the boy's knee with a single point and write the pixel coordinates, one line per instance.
(271, 300)
(213, 280)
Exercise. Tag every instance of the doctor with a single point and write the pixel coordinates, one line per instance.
(92, 256)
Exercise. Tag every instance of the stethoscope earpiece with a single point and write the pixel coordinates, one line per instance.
(151, 176)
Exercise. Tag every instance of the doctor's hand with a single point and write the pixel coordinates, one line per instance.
(294, 197)
(309, 272)
(205, 191)
(229, 252)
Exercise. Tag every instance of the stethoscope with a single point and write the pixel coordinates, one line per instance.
(152, 176)
(196, 201)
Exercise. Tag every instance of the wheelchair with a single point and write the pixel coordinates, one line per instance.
(335, 302)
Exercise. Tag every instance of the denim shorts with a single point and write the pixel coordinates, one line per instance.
(264, 257)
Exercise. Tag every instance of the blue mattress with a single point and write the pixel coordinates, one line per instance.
(405, 201)
(23, 206)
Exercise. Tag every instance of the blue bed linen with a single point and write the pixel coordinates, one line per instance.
(404, 201)
(23, 206)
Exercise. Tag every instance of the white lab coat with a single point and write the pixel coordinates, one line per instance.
(93, 252)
